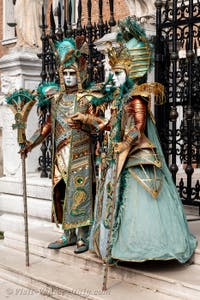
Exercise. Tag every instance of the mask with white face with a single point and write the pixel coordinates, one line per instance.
(119, 76)
(70, 77)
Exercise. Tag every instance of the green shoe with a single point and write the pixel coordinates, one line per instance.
(81, 247)
(63, 242)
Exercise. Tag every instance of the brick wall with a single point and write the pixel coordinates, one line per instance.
(120, 10)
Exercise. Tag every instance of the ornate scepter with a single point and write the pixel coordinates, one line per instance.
(21, 102)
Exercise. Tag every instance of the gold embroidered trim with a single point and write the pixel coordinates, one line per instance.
(76, 224)
(154, 193)
(147, 161)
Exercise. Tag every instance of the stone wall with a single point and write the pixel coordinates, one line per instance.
(19, 69)
(1, 153)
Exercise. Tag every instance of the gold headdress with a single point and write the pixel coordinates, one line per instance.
(134, 53)
(118, 57)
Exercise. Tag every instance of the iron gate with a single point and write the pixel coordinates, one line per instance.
(177, 67)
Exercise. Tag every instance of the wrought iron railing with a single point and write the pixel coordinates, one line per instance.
(177, 66)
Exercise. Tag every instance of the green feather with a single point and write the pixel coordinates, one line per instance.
(108, 90)
(43, 89)
(19, 96)
(131, 29)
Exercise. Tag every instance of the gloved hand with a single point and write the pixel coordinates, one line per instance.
(27, 148)
(80, 117)
(120, 147)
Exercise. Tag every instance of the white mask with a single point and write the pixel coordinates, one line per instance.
(119, 77)
(70, 77)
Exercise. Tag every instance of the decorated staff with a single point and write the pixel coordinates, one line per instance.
(113, 194)
(21, 102)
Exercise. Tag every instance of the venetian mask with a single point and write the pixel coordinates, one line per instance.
(70, 77)
(119, 76)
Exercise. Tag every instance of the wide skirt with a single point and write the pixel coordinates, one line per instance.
(144, 228)
(148, 228)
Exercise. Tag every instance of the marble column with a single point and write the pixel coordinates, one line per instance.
(20, 68)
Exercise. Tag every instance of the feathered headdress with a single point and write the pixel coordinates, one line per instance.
(45, 91)
(134, 54)
(68, 54)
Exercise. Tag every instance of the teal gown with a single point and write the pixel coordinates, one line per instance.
(145, 227)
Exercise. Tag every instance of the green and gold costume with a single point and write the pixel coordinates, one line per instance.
(149, 221)
(72, 152)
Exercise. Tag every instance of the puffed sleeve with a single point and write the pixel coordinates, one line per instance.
(46, 129)
(135, 112)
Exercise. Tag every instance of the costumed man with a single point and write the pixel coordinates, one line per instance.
(149, 222)
(72, 164)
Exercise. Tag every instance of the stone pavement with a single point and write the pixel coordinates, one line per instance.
(11, 291)
(67, 281)
(63, 275)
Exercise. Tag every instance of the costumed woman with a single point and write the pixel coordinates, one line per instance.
(149, 222)
(72, 163)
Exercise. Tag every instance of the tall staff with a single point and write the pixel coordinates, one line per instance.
(111, 213)
(21, 102)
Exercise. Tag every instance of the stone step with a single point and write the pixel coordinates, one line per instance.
(36, 187)
(67, 281)
(39, 208)
(13, 291)
(15, 222)
(42, 233)
(194, 227)
(192, 211)
(170, 278)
